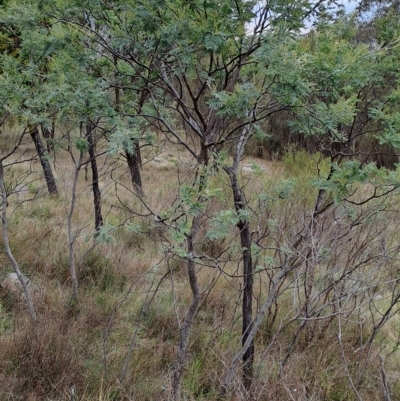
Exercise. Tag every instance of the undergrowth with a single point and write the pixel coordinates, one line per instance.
(133, 294)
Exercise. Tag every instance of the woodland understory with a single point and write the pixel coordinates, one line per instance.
(199, 200)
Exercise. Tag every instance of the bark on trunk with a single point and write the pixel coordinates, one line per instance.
(247, 305)
(98, 218)
(134, 163)
(48, 173)
(48, 134)
(134, 158)
(290, 265)
(245, 242)
(247, 299)
(186, 327)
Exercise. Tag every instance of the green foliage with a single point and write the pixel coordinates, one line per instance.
(388, 28)
(285, 189)
(343, 177)
(327, 118)
(391, 123)
(105, 234)
(82, 145)
(222, 224)
(236, 103)
(336, 71)
(190, 200)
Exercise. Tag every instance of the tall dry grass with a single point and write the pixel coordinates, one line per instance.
(134, 290)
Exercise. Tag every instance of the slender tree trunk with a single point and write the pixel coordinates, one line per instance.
(48, 173)
(247, 304)
(133, 158)
(186, 327)
(95, 179)
(256, 325)
(134, 163)
(247, 298)
(71, 236)
(48, 134)
(291, 264)
(245, 242)
(7, 248)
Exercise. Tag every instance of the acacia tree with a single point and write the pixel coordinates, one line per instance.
(20, 79)
(84, 104)
(338, 92)
(210, 83)
(113, 42)
(50, 77)
(189, 58)
(23, 64)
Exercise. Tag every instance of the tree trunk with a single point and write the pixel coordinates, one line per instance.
(245, 242)
(273, 289)
(3, 204)
(48, 134)
(48, 173)
(247, 305)
(134, 163)
(247, 298)
(71, 236)
(186, 327)
(98, 218)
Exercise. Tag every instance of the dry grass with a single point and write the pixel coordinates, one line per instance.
(134, 290)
